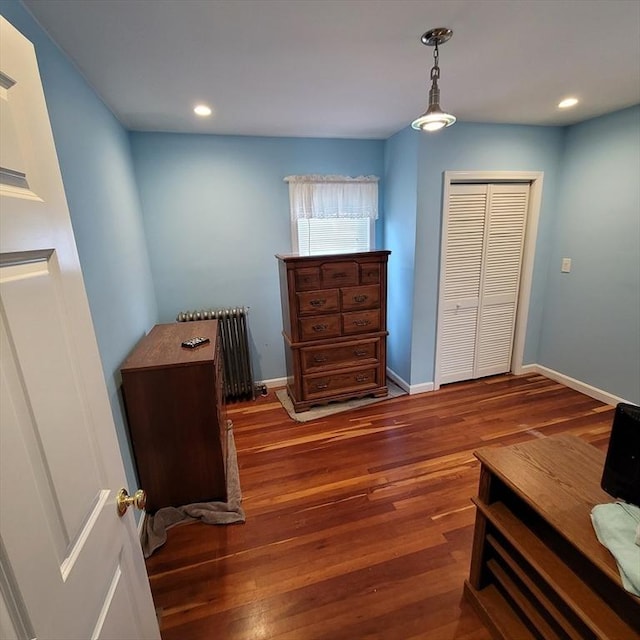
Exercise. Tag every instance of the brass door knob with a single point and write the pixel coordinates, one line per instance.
(124, 501)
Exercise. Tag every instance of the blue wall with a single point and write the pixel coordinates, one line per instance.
(591, 322)
(216, 211)
(585, 324)
(400, 210)
(94, 155)
(477, 147)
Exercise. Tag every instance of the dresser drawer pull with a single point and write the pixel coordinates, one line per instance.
(340, 274)
(359, 298)
(359, 353)
(361, 378)
(318, 387)
(318, 302)
(361, 323)
(319, 328)
(320, 358)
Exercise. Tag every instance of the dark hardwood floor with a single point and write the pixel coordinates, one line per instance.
(358, 525)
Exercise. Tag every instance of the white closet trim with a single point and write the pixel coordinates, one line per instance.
(535, 179)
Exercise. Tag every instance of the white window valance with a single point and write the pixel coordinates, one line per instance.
(315, 196)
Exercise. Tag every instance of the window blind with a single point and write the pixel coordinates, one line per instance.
(333, 235)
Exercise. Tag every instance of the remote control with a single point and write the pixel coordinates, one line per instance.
(194, 342)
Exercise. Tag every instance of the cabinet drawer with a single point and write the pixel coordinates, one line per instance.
(370, 273)
(339, 274)
(315, 359)
(336, 383)
(360, 297)
(319, 327)
(361, 322)
(315, 302)
(307, 278)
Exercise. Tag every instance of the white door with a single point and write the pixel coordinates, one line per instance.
(483, 245)
(501, 265)
(460, 297)
(69, 566)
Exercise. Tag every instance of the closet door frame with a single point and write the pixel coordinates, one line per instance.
(535, 179)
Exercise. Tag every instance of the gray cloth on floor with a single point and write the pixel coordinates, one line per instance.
(154, 528)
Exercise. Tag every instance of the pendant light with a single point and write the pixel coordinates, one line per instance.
(434, 117)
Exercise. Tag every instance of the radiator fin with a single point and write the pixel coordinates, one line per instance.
(234, 336)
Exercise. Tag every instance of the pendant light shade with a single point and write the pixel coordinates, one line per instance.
(434, 117)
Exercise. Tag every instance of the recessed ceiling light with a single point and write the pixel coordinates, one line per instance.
(202, 110)
(568, 102)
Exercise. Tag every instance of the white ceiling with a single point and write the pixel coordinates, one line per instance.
(347, 68)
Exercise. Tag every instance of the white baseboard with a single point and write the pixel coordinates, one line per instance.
(411, 389)
(414, 389)
(572, 383)
(421, 388)
(568, 381)
(273, 383)
(526, 368)
(394, 377)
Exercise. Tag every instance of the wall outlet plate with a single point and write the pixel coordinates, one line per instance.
(566, 265)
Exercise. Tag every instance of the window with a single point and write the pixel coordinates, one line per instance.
(334, 235)
(332, 214)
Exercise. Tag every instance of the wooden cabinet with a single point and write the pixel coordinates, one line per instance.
(335, 326)
(537, 568)
(175, 408)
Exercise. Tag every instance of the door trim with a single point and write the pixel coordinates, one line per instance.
(535, 180)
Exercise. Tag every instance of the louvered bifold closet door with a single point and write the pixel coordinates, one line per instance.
(462, 273)
(500, 281)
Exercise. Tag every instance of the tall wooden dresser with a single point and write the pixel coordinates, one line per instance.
(335, 326)
(175, 407)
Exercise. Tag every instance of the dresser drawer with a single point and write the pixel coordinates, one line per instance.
(370, 273)
(307, 278)
(361, 322)
(360, 297)
(314, 359)
(319, 327)
(315, 302)
(336, 383)
(339, 274)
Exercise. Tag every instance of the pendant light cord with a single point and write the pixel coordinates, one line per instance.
(435, 70)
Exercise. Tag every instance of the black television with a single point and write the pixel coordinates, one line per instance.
(621, 474)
